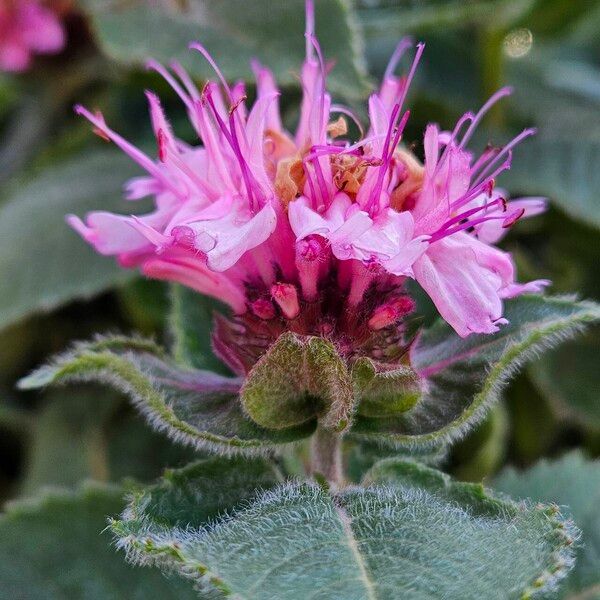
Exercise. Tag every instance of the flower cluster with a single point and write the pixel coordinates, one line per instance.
(310, 231)
(27, 27)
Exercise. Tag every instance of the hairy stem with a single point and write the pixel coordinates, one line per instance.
(326, 455)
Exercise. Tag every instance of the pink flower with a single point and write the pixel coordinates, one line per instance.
(311, 231)
(26, 28)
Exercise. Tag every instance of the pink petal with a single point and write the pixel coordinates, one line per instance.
(464, 278)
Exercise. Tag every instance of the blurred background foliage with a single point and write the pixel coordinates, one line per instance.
(54, 289)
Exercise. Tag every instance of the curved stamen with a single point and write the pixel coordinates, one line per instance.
(137, 155)
(346, 111)
(469, 213)
(468, 224)
(482, 186)
(403, 45)
(501, 93)
(320, 82)
(156, 66)
(411, 73)
(209, 59)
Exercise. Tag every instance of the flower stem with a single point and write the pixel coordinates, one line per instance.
(326, 455)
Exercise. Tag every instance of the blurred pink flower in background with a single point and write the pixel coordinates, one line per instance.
(312, 231)
(27, 27)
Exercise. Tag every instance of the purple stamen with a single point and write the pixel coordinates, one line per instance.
(200, 48)
(506, 149)
(156, 66)
(411, 73)
(468, 213)
(467, 225)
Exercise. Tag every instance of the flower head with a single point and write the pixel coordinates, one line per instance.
(27, 27)
(310, 231)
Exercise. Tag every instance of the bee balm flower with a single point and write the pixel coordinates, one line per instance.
(27, 27)
(310, 231)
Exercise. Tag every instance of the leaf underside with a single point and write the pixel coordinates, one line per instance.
(52, 548)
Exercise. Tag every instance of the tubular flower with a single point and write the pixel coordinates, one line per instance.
(27, 27)
(310, 231)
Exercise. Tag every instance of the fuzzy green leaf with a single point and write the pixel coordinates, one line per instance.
(464, 376)
(572, 481)
(233, 31)
(420, 536)
(297, 380)
(43, 264)
(203, 490)
(199, 408)
(52, 548)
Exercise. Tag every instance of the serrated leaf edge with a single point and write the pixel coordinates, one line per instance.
(562, 560)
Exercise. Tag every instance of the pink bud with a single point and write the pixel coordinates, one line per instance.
(390, 312)
(263, 309)
(286, 296)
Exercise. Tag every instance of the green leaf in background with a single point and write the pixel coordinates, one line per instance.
(419, 536)
(145, 303)
(195, 407)
(68, 443)
(52, 548)
(483, 451)
(397, 17)
(569, 378)
(564, 169)
(533, 427)
(233, 31)
(572, 481)
(465, 375)
(136, 451)
(191, 323)
(43, 263)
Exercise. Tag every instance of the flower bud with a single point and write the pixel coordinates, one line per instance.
(390, 312)
(263, 309)
(286, 296)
